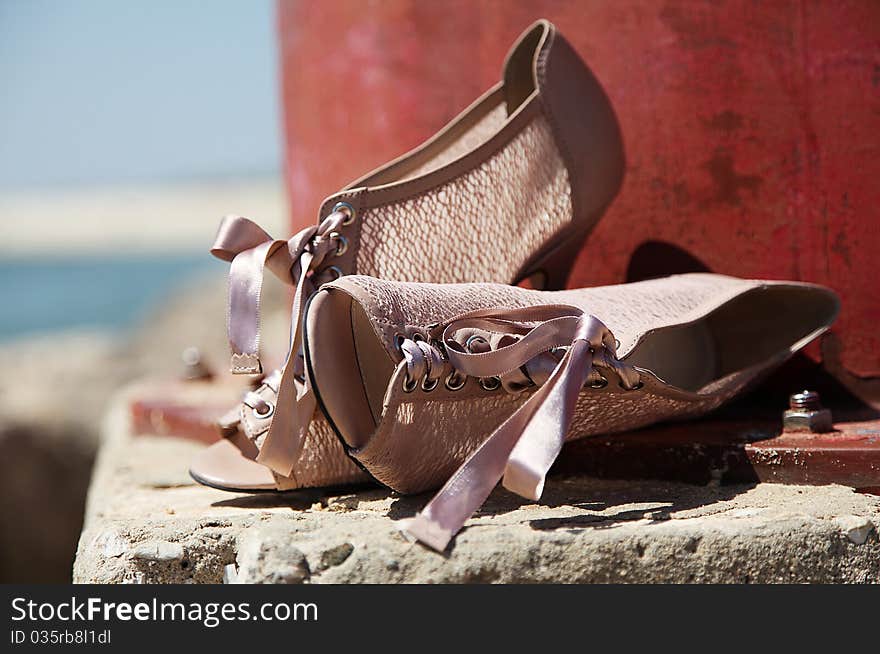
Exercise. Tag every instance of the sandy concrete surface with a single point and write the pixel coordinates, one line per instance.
(146, 522)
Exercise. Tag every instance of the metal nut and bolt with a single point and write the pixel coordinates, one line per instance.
(806, 414)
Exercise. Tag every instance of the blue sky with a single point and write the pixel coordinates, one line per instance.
(97, 92)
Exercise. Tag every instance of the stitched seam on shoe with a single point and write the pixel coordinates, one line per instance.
(403, 198)
(548, 109)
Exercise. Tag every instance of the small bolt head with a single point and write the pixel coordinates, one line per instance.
(806, 414)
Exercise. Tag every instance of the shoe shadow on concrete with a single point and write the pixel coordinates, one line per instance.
(297, 500)
(619, 501)
(604, 502)
(303, 499)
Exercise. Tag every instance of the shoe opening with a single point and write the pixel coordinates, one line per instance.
(476, 124)
(348, 365)
(761, 324)
(520, 75)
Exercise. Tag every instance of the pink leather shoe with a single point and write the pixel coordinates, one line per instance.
(463, 385)
(508, 190)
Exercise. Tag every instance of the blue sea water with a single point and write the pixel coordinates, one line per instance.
(39, 295)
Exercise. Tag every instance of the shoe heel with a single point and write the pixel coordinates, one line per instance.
(550, 270)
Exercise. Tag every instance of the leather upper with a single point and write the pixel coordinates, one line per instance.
(422, 437)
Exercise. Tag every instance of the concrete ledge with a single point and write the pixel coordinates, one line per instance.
(146, 522)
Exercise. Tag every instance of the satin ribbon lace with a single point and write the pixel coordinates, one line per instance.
(302, 262)
(510, 346)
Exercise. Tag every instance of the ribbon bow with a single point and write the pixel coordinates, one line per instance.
(524, 447)
(296, 261)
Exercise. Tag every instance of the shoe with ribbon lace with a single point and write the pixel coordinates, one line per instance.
(460, 386)
(529, 168)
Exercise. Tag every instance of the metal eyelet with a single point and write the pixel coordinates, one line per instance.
(337, 272)
(342, 243)
(418, 336)
(474, 338)
(398, 342)
(490, 383)
(347, 209)
(634, 388)
(602, 383)
(453, 385)
(429, 385)
(270, 409)
(409, 385)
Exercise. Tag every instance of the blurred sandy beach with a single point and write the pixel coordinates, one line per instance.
(148, 218)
